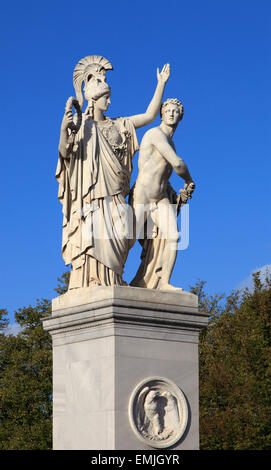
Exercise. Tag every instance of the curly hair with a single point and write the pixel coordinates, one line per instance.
(172, 101)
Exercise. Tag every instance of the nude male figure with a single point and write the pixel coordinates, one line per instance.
(151, 192)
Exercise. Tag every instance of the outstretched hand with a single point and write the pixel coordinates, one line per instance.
(163, 76)
(185, 194)
(190, 187)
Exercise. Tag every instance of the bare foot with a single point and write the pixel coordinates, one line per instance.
(169, 287)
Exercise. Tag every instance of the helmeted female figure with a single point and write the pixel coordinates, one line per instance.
(94, 170)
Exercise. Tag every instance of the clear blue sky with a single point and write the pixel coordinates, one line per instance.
(219, 53)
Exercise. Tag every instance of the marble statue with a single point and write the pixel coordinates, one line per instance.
(154, 200)
(93, 172)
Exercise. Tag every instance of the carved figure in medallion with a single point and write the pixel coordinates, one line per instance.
(158, 412)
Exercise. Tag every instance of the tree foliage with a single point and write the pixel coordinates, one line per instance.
(26, 381)
(235, 370)
(63, 283)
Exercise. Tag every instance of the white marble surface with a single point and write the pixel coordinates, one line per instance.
(86, 295)
(105, 347)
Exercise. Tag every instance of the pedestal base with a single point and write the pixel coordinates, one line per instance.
(106, 342)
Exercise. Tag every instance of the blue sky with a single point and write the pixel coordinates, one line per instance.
(219, 53)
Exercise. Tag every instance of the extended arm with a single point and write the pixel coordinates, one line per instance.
(141, 120)
(165, 149)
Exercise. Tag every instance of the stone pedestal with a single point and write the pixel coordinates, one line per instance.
(113, 345)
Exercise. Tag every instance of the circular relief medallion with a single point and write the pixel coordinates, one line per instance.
(158, 412)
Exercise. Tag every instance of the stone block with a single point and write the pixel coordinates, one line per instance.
(106, 341)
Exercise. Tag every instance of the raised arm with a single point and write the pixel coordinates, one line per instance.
(141, 120)
(165, 149)
(69, 128)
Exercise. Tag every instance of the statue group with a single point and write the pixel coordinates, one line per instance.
(94, 170)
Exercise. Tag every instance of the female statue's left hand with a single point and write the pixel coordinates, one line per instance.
(163, 76)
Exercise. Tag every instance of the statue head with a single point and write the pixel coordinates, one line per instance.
(97, 93)
(172, 111)
(90, 72)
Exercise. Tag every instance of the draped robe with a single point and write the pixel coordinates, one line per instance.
(93, 183)
(153, 244)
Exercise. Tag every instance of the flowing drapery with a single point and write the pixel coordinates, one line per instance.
(93, 183)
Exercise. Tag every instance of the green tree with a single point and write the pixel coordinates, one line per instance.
(235, 372)
(4, 322)
(235, 369)
(26, 381)
(63, 283)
